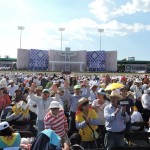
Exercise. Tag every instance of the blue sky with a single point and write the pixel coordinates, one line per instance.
(126, 25)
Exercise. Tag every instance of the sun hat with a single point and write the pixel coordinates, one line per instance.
(94, 84)
(40, 88)
(4, 125)
(77, 87)
(81, 102)
(130, 93)
(115, 93)
(138, 80)
(11, 81)
(101, 91)
(54, 104)
(45, 91)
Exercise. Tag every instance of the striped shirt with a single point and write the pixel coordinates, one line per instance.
(56, 123)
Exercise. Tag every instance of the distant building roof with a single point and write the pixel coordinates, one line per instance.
(8, 59)
(133, 62)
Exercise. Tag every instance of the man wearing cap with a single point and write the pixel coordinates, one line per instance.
(42, 103)
(12, 88)
(115, 116)
(73, 106)
(56, 120)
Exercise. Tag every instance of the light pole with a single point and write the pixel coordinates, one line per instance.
(100, 31)
(61, 30)
(20, 28)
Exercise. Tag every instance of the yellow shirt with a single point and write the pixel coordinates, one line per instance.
(86, 132)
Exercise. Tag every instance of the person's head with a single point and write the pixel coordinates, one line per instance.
(83, 104)
(11, 82)
(138, 82)
(38, 90)
(54, 107)
(115, 97)
(75, 138)
(18, 92)
(5, 129)
(101, 94)
(77, 89)
(135, 108)
(45, 94)
(61, 91)
(94, 87)
(123, 91)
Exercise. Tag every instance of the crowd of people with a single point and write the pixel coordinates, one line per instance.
(74, 112)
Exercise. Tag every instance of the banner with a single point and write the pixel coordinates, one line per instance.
(38, 59)
(96, 61)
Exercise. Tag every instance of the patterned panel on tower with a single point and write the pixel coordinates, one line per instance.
(38, 59)
(96, 60)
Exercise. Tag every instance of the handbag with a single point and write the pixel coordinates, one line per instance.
(95, 134)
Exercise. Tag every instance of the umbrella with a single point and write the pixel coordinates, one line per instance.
(113, 86)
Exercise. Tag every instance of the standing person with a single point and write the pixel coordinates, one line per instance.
(115, 116)
(4, 99)
(129, 109)
(86, 122)
(146, 105)
(73, 106)
(56, 120)
(93, 92)
(99, 105)
(42, 103)
(11, 88)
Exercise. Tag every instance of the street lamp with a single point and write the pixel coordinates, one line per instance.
(20, 28)
(61, 30)
(100, 31)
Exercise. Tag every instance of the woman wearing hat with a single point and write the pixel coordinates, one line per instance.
(99, 105)
(86, 123)
(8, 138)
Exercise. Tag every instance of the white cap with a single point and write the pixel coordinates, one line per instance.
(4, 125)
(54, 104)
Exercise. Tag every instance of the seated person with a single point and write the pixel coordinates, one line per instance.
(136, 117)
(8, 138)
(20, 116)
(47, 140)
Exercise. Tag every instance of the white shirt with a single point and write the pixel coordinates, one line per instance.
(100, 110)
(42, 105)
(136, 117)
(145, 100)
(12, 90)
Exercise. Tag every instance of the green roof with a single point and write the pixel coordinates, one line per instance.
(8, 59)
(133, 62)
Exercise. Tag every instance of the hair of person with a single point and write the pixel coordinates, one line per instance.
(7, 132)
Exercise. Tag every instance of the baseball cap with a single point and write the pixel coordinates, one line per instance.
(45, 91)
(4, 125)
(77, 87)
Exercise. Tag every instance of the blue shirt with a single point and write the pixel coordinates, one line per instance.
(14, 142)
(115, 123)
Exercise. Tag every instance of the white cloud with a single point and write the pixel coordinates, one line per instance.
(106, 10)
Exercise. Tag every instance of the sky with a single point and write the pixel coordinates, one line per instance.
(126, 25)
